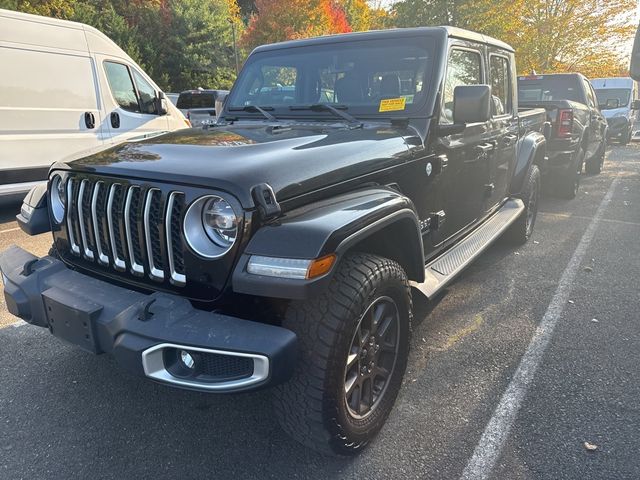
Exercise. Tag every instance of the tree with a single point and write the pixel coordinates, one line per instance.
(419, 13)
(181, 44)
(278, 20)
(559, 35)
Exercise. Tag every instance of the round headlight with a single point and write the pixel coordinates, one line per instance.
(210, 226)
(58, 197)
(220, 222)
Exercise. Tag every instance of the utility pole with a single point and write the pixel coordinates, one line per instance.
(235, 46)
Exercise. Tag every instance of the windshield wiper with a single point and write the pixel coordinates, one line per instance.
(255, 108)
(336, 110)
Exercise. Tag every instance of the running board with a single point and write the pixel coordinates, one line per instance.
(441, 271)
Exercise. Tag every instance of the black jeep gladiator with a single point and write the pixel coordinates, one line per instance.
(280, 247)
(578, 136)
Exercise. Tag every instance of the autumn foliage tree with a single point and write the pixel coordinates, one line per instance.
(549, 35)
(279, 20)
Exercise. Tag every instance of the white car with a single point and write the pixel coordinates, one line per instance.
(67, 90)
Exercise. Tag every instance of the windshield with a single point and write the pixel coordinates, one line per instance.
(369, 77)
(606, 94)
(548, 88)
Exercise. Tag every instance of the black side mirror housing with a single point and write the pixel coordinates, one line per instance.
(471, 104)
(33, 218)
(635, 105)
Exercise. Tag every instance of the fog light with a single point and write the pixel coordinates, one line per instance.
(187, 360)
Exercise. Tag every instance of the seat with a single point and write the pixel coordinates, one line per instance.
(348, 89)
(390, 85)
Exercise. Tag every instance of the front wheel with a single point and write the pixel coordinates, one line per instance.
(353, 350)
(520, 231)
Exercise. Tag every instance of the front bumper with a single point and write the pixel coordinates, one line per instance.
(146, 333)
(618, 127)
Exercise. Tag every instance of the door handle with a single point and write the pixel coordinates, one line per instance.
(89, 120)
(115, 120)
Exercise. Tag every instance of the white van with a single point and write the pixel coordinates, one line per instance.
(619, 103)
(67, 90)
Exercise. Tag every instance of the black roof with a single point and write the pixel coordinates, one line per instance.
(447, 31)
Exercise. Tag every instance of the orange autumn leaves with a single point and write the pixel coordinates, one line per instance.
(279, 20)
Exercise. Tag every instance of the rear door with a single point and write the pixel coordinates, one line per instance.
(129, 100)
(504, 125)
(468, 153)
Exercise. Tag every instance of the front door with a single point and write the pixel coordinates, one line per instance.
(468, 154)
(130, 103)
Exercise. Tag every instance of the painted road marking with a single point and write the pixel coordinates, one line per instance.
(497, 430)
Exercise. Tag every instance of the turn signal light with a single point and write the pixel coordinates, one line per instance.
(320, 266)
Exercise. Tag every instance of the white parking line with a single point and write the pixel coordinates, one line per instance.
(10, 230)
(497, 430)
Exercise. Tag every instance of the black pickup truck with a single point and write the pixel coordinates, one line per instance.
(578, 134)
(281, 247)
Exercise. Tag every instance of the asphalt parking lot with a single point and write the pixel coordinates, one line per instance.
(532, 352)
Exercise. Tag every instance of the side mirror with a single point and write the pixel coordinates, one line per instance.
(471, 104)
(613, 103)
(634, 68)
(635, 105)
(162, 107)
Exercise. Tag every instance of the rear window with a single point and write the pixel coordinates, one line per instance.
(549, 88)
(190, 100)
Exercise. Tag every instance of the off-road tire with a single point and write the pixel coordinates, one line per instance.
(520, 230)
(312, 405)
(626, 138)
(594, 165)
(568, 183)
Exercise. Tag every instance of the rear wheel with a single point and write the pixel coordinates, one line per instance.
(353, 350)
(594, 165)
(520, 231)
(569, 182)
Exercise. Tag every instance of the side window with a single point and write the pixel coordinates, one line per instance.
(500, 85)
(146, 93)
(590, 98)
(122, 86)
(464, 68)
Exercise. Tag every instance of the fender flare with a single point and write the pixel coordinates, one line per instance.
(531, 149)
(332, 226)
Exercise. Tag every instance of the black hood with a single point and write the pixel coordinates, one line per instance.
(294, 160)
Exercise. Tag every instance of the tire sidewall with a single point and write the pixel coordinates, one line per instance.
(350, 434)
(533, 183)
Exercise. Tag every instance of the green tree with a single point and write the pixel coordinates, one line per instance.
(418, 13)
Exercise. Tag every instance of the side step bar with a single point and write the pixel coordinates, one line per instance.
(441, 271)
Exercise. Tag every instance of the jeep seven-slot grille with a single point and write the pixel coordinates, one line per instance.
(127, 228)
